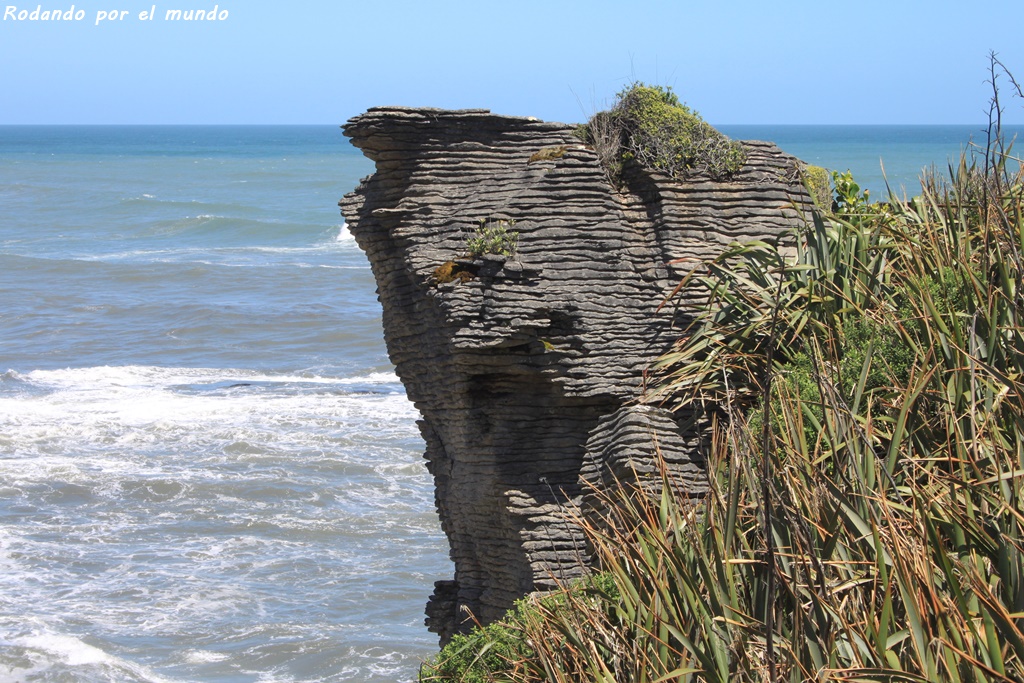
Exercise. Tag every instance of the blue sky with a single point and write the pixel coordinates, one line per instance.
(323, 61)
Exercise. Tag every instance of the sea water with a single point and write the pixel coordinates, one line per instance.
(883, 159)
(208, 469)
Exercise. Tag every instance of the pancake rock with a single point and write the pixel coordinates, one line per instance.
(526, 368)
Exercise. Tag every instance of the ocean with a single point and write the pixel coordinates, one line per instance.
(208, 468)
(881, 158)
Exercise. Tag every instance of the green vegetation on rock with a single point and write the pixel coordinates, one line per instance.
(503, 651)
(650, 127)
(493, 237)
(816, 180)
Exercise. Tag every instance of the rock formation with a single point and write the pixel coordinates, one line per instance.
(525, 368)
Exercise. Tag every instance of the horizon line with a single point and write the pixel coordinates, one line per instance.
(983, 124)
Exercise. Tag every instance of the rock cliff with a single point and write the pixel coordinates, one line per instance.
(525, 368)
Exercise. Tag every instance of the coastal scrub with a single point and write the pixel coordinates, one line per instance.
(650, 127)
(864, 412)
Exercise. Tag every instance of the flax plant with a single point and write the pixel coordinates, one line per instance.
(884, 502)
(893, 468)
(864, 406)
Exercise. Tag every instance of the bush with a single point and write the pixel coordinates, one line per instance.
(816, 180)
(504, 650)
(489, 653)
(649, 126)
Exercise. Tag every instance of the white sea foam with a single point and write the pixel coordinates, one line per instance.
(124, 416)
(232, 256)
(344, 235)
(204, 657)
(50, 650)
(193, 510)
(157, 376)
(71, 650)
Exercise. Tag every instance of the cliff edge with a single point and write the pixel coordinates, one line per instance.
(525, 367)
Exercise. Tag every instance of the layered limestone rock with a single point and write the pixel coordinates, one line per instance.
(526, 368)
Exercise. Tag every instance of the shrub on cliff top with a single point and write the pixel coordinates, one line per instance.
(649, 126)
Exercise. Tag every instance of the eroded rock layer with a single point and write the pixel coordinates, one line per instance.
(524, 367)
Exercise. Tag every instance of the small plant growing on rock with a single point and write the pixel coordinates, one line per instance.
(494, 237)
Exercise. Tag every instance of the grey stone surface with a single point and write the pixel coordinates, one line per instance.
(525, 372)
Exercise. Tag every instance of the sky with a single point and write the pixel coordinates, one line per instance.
(324, 61)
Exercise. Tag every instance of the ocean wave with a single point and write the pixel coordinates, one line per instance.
(108, 411)
(344, 235)
(160, 376)
(210, 226)
(11, 376)
(47, 655)
(188, 205)
(242, 256)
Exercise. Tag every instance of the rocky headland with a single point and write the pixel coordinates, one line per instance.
(527, 367)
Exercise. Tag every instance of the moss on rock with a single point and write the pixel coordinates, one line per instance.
(450, 271)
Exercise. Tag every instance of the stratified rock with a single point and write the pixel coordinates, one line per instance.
(521, 364)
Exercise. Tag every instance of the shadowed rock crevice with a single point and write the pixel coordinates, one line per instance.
(524, 367)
